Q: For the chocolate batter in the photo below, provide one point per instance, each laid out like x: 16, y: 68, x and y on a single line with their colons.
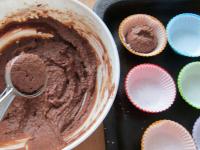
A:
x: 28, y: 73
x: 71, y: 65
x: 141, y: 39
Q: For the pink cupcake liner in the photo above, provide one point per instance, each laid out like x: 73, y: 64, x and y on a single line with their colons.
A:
x: 167, y: 135
x: 196, y: 132
x: 150, y: 88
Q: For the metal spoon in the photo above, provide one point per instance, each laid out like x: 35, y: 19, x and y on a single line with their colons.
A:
x: 8, y: 95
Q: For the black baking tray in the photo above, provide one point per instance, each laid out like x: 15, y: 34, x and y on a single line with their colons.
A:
x: 124, y: 125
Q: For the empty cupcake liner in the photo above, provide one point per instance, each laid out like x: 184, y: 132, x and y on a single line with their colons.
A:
x: 183, y: 32
x: 150, y: 88
x: 143, y: 19
x: 189, y: 84
x: 167, y: 135
x: 196, y: 132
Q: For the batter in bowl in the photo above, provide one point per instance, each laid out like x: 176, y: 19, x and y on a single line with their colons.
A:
x: 71, y: 65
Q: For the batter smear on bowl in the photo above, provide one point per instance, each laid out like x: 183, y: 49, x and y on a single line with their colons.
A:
x: 71, y: 65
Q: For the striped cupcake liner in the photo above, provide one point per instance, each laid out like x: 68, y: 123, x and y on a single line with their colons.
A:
x: 143, y: 19
x: 167, y: 134
x: 150, y: 88
x: 189, y: 84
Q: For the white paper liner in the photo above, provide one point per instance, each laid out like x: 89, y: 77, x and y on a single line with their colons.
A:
x: 143, y: 19
x: 150, y: 88
x: 167, y: 135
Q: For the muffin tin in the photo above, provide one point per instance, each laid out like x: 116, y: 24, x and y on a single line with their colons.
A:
x: 125, y: 124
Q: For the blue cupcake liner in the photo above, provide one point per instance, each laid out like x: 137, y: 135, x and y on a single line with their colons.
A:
x: 171, y: 25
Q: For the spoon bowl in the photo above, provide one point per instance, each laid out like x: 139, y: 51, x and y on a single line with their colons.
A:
x: 11, y: 91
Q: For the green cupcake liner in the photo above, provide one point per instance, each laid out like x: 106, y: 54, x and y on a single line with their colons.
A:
x: 189, y: 84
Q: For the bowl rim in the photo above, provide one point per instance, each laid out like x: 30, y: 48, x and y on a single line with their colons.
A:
x: 110, y: 102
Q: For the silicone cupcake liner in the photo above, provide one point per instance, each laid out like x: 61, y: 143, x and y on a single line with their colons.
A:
x: 196, y: 132
x: 168, y: 135
x: 189, y: 84
x: 183, y: 32
x: 150, y: 88
x: 148, y: 20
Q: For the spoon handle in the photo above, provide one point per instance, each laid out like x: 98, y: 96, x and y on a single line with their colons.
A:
x: 6, y: 98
